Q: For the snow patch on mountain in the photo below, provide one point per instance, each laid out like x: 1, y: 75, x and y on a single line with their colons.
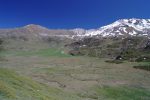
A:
x: 121, y: 27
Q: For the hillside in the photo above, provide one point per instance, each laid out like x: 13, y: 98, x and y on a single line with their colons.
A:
x: 108, y: 63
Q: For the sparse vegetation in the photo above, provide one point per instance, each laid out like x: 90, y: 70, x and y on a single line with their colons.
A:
x: 124, y: 93
x: 16, y: 87
x: 118, y: 93
x: 52, y: 74
x: 50, y: 52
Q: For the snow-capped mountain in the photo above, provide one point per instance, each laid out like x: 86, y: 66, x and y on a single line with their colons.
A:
x: 123, y: 27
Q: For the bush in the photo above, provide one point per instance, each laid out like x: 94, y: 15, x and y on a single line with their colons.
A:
x: 130, y: 53
x: 144, y: 67
x: 143, y: 59
x: 1, y: 41
x: 114, y: 61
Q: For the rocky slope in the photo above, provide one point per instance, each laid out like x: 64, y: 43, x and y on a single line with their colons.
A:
x: 126, y: 38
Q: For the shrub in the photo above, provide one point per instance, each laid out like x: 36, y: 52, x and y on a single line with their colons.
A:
x: 114, y: 61
x: 143, y: 59
x: 144, y: 67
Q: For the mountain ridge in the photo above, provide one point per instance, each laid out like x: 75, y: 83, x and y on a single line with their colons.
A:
x: 121, y: 27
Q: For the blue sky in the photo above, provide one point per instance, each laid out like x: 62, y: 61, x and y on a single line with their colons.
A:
x: 67, y: 14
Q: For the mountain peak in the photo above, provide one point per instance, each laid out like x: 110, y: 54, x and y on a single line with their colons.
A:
x: 34, y: 26
x: 134, y: 21
x: 123, y: 27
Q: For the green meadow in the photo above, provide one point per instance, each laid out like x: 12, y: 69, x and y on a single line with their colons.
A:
x: 51, y: 74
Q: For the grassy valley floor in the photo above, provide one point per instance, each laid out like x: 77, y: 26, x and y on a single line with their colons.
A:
x: 50, y: 74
